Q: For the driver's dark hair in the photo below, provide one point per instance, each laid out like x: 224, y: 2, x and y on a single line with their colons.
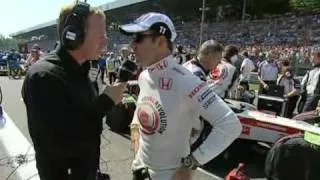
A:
x: 169, y: 43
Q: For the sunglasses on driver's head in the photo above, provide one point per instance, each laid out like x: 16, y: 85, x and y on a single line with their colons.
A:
x: 139, y: 37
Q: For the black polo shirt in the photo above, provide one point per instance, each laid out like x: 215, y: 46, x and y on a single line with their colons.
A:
x: 64, y: 110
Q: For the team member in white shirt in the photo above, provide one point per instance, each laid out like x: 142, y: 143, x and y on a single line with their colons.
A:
x: 246, y: 68
x: 224, y: 76
x: 209, y: 56
x: 170, y: 102
x: 268, y: 72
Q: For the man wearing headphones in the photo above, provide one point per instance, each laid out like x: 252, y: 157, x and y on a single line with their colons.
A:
x: 64, y: 109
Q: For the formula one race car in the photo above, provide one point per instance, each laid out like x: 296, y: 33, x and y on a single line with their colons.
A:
x: 257, y: 126
x: 262, y: 127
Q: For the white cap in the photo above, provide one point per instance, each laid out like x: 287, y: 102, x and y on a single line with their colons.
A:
x: 151, y: 21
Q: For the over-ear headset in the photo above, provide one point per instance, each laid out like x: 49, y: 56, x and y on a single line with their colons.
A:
x: 72, y: 32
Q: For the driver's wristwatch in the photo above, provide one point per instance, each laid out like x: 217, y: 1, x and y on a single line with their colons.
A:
x: 190, y: 162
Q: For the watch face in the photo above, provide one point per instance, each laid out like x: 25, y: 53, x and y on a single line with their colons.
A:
x: 187, y: 161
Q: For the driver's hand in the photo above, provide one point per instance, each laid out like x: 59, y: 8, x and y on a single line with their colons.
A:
x: 135, y: 136
x: 182, y: 174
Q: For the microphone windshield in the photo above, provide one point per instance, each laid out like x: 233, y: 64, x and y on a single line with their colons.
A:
x: 127, y: 71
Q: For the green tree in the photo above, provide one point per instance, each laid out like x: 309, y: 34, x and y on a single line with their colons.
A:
x: 305, y: 5
x: 8, y: 43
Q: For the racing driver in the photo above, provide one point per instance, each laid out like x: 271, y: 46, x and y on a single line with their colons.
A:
x: 170, y: 102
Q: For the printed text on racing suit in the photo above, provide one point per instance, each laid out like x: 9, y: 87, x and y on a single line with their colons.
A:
x: 169, y: 105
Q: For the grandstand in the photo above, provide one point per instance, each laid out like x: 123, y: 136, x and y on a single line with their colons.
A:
x: 46, y: 34
x: 287, y: 29
x: 120, y: 11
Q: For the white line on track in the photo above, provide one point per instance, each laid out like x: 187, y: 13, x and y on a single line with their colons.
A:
x: 16, y: 144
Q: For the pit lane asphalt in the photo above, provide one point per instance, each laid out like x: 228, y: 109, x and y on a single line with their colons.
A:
x: 116, y: 156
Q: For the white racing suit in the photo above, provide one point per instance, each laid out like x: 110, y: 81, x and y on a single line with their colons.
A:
x: 223, y: 78
x: 170, y: 102
x: 201, y: 129
x: 197, y: 69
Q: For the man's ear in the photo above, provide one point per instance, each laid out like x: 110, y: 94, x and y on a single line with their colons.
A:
x: 161, y: 41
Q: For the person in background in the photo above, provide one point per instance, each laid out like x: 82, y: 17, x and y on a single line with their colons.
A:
x: 224, y: 76
x: 268, y: 72
x: 37, y: 47
x: 180, y: 55
x: 102, y: 67
x: 291, y: 90
x: 246, y: 68
x: 310, y: 117
x: 111, y: 68
x: 260, y: 58
x: 284, y: 65
x: 124, y: 54
x: 311, y: 83
x: 13, y: 60
x: 35, y: 56
x: 209, y: 56
x: 243, y: 92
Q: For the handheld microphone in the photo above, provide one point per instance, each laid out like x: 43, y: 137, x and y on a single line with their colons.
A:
x: 127, y: 71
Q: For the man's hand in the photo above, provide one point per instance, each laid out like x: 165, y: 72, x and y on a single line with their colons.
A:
x: 182, y: 174
x: 265, y: 86
x: 115, y: 92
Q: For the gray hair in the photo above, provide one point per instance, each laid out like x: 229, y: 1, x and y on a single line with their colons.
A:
x: 209, y: 47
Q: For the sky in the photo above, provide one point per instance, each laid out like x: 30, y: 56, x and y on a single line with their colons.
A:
x: 16, y: 15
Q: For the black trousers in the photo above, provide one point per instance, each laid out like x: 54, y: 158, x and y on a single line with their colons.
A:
x: 57, y: 166
x: 262, y: 90
x: 112, y: 77
x: 292, y: 102
x: 102, y: 73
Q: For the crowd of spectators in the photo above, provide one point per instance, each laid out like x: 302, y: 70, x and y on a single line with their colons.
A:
x: 289, y: 35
